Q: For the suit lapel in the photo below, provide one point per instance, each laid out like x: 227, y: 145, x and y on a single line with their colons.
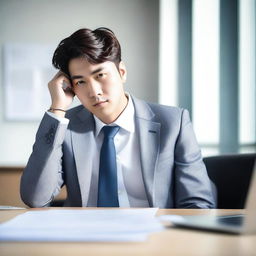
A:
x: 149, y: 136
x: 82, y: 140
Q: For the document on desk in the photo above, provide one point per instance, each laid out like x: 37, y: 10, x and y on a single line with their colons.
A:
x: 82, y: 225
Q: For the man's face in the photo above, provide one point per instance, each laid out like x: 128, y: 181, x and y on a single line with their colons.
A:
x: 99, y: 87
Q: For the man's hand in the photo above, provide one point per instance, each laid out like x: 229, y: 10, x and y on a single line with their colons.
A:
x: 61, y: 93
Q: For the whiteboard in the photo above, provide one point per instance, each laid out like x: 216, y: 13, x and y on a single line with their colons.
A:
x: 27, y: 71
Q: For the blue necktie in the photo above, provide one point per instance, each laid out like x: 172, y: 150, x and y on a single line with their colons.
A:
x: 107, y: 185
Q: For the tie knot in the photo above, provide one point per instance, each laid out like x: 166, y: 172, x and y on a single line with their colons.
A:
x: 110, y: 131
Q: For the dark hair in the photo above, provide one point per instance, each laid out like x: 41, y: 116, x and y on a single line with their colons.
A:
x: 96, y: 46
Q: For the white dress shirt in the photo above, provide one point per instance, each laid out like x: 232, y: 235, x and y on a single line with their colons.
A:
x: 131, y: 188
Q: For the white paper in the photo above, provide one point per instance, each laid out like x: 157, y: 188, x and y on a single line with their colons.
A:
x: 9, y: 207
x: 170, y: 218
x: 82, y: 225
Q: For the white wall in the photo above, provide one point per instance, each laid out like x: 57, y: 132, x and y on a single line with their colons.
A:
x: 135, y: 23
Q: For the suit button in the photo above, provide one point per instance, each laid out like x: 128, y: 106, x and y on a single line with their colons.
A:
x: 48, y: 141
x: 48, y: 138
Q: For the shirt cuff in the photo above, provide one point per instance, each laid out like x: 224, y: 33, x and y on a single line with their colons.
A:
x: 62, y: 120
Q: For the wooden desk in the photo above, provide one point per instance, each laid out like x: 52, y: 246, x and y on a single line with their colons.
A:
x: 170, y: 242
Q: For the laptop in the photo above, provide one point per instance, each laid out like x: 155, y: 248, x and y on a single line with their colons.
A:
x: 238, y: 224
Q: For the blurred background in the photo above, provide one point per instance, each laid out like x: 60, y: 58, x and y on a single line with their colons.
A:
x: 199, y: 55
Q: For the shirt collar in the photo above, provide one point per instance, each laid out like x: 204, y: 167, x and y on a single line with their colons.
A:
x: 124, y: 121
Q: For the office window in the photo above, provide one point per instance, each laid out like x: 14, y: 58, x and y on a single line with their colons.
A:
x: 247, y: 79
x: 168, y: 52
x: 221, y: 95
x: 205, y: 70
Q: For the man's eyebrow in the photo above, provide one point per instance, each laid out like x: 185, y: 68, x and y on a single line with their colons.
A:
x: 97, y: 70
x: 93, y: 72
x: 76, y: 77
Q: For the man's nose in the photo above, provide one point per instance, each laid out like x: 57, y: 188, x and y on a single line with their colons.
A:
x: 94, y: 89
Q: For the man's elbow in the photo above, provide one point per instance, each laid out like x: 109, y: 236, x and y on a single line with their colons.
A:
x: 32, y: 201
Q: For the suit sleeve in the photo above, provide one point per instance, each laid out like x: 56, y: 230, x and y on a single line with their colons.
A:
x: 193, y: 189
x: 42, y: 178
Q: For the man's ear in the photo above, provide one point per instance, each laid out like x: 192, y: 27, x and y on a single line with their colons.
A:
x: 122, y: 71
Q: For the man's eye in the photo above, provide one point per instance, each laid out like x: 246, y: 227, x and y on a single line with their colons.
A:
x: 79, y: 83
x: 100, y: 75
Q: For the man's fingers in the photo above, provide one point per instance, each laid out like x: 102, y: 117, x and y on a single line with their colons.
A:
x: 65, y: 85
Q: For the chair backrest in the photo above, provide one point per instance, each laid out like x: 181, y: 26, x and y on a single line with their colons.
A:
x: 231, y: 175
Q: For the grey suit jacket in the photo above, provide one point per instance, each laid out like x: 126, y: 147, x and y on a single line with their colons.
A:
x: 173, y: 172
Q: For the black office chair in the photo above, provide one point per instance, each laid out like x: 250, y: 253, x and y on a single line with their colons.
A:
x: 57, y: 203
x: 231, y: 175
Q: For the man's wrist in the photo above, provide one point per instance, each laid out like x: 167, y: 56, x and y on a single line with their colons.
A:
x: 57, y: 111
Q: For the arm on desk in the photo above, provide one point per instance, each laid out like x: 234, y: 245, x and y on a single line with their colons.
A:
x: 42, y: 178
x: 193, y: 188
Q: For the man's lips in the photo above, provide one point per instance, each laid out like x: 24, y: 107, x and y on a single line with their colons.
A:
x: 98, y: 103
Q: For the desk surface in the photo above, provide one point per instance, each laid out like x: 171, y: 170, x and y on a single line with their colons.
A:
x: 172, y: 241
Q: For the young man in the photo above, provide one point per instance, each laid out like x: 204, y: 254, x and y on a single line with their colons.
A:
x: 113, y: 150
